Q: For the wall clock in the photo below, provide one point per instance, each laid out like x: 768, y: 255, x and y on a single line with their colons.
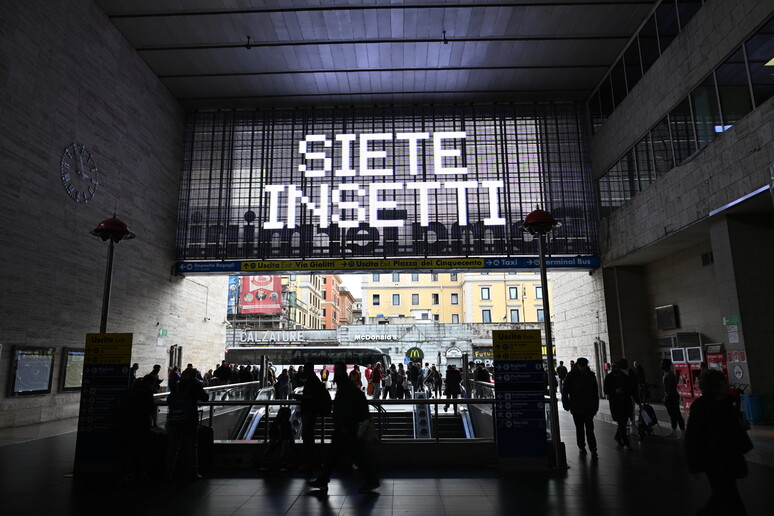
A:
x: 79, y: 173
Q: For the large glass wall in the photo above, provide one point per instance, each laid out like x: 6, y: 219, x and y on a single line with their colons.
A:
x: 738, y: 85
x: 654, y: 36
x: 384, y: 182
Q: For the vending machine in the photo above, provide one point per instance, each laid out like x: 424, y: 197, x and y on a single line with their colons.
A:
x: 715, y: 356
x: 695, y: 356
x: 683, y: 374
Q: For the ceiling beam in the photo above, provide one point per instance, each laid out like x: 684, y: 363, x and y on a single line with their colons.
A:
x: 325, y: 8
x: 383, y: 70
x: 274, y: 44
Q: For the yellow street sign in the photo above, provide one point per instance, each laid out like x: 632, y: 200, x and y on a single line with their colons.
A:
x: 516, y: 345
x: 108, y: 348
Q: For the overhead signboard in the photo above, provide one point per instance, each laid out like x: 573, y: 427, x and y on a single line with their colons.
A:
x: 372, y: 265
x: 390, y: 182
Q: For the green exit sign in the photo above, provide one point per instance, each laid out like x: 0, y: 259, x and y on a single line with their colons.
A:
x: 732, y: 320
x: 162, y: 332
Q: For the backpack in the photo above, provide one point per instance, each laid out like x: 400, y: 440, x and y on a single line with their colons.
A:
x: 323, y: 402
x: 181, y: 407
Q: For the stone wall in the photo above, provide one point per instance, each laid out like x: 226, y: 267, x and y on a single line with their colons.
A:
x: 578, y: 315
x: 68, y: 76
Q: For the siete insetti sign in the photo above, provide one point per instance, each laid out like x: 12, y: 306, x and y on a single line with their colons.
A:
x: 385, y: 183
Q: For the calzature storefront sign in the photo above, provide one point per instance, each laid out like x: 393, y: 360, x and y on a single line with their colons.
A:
x: 387, y: 183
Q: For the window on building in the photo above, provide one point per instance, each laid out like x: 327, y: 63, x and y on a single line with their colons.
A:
x: 649, y: 48
x: 513, y: 292
x: 760, y: 49
x: 486, y: 316
x: 538, y: 292
x: 683, y: 137
x: 424, y: 315
x: 436, y: 299
x: 453, y: 276
x: 735, y: 100
x: 434, y: 276
x: 376, y: 277
x: 436, y: 317
x: 414, y: 299
x: 396, y: 277
x: 455, y: 318
x: 540, y: 316
x: 324, y: 312
x: 455, y: 299
x: 376, y: 301
x: 706, y: 111
x: 325, y: 294
x: 396, y: 300
x: 668, y: 25
x: 414, y: 277
x: 485, y: 293
x: 292, y: 277
x: 514, y: 316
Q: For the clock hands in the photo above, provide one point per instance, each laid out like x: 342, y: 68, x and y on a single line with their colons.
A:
x: 82, y: 169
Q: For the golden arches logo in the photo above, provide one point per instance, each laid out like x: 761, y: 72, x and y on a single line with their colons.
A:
x: 415, y: 353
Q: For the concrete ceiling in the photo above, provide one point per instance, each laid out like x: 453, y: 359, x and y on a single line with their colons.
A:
x: 305, y: 53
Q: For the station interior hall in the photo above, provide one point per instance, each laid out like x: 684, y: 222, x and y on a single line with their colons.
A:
x: 158, y: 153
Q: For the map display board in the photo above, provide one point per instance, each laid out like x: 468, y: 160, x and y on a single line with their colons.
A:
x: 32, y: 369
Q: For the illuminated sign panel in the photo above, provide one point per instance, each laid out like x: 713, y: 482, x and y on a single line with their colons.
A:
x: 383, y: 183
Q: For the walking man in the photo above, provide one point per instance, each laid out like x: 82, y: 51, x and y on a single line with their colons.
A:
x: 580, y: 388
x: 349, y: 409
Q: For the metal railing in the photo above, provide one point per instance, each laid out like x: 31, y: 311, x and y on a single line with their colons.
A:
x: 476, y: 414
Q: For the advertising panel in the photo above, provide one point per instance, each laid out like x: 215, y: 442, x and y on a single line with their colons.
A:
x: 260, y: 295
x: 233, y: 295
x: 383, y: 182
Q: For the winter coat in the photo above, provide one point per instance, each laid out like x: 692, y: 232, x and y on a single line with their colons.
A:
x: 714, y: 439
x: 620, y: 388
x: 582, y: 393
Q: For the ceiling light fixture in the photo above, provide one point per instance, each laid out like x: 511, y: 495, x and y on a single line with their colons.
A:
x: 248, y: 46
x: 445, y: 41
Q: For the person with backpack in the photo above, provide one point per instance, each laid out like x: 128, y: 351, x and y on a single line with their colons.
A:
x: 315, y: 401
x: 349, y: 409
x: 183, y: 423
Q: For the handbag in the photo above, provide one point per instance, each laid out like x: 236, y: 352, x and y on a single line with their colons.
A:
x: 366, y: 431
x: 370, y: 388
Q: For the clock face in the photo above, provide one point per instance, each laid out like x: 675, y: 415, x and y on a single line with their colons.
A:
x: 79, y: 172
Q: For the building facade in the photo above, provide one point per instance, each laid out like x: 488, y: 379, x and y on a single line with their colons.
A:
x: 453, y: 298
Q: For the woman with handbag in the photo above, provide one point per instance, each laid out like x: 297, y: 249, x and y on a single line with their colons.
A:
x: 715, y: 444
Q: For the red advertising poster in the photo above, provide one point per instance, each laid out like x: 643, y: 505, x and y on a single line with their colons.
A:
x: 260, y: 295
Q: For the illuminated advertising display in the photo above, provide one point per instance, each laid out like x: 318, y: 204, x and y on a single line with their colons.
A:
x: 383, y: 183
x: 260, y: 295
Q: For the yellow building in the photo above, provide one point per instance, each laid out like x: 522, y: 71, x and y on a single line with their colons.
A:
x: 454, y: 297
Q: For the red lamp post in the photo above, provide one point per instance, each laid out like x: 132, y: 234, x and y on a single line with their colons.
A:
x: 114, y: 230
x: 539, y: 223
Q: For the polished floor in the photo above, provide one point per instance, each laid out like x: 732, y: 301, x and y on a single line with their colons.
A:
x: 36, y: 461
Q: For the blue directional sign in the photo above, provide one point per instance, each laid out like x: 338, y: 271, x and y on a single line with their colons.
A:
x: 555, y: 262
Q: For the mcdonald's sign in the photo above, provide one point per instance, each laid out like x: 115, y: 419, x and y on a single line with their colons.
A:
x: 415, y: 354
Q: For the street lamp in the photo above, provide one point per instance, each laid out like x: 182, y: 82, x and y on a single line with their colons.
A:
x: 540, y: 223
x: 114, y: 230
